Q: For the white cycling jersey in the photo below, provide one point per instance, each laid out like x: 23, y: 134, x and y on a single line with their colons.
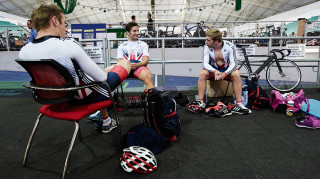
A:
x: 229, y: 53
x: 63, y: 51
x: 133, y: 50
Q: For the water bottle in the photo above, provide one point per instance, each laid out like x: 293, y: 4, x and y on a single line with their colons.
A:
x: 244, y: 95
x: 290, y: 107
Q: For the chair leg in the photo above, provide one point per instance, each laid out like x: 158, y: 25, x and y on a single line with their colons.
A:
x: 115, y: 114
x: 225, y: 94
x: 122, y: 96
x: 70, y: 149
x: 119, y: 129
x: 79, y: 134
x: 206, y: 93
x: 31, y: 139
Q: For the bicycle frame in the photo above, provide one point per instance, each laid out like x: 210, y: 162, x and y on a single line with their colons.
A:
x: 264, y: 64
x: 278, y: 78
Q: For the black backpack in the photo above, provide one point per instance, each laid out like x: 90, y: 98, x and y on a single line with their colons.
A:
x: 160, y: 113
x: 257, y: 98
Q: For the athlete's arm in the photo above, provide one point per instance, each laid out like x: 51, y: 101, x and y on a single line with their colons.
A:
x: 206, y: 59
x: 144, y: 62
x: 145, y: 57
x: 233, y: 59
x: 119, y: 54
x: 88, y: 66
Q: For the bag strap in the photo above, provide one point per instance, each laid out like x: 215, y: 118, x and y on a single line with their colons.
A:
x: 170, y: 115
x: 145, y: 111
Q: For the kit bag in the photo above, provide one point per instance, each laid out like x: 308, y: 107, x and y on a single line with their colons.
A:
x: 143, y: 136
x: 257, y: 98
x: 160, y: 113
x: 279, y: 101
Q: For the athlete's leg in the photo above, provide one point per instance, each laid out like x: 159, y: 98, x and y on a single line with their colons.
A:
x: 237, y: 84
x: 106, y: 70
x: 125, y: 63
x: 118, y: 73
x: 104, y: 113
x: 145, y: 75
x: 202, y: 83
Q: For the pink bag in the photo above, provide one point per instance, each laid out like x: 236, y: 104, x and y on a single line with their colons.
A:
x: 278, y: 103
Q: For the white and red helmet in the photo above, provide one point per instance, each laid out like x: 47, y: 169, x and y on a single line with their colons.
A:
x: 138, y: 159
x: 195, y: 107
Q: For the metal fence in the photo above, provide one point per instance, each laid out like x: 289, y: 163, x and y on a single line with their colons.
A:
x: 108, y: 60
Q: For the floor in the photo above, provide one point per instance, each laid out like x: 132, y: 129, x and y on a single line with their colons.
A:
x: 264, y: 144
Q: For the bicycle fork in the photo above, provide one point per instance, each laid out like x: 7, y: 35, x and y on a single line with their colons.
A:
x: 279, y: 67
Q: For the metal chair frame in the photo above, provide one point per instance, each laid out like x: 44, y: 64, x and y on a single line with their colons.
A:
x: 77, y: 132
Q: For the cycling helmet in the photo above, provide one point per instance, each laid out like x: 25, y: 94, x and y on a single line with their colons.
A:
x: 196, y: 106
x: 138, y: 159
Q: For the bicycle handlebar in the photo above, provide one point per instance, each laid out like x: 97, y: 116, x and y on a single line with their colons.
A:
x: 274, y: 51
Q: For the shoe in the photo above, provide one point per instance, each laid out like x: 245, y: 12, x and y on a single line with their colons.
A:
x: 239, y: 109
x: 196, y: 106
x: 98, y: 125
x: 181, y: 99
x: 130, y: 102
x: 108, y: 125
x: 308, y: 122
x: 94, y: 117
x: 220, y: 110
x: 137, y: 101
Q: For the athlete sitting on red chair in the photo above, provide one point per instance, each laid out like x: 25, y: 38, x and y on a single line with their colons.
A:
x: 51, y: 43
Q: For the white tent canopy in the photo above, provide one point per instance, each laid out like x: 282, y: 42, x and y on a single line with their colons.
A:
x: 116, y: 11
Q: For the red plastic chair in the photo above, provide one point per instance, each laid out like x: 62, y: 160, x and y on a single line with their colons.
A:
x: 53, y: 85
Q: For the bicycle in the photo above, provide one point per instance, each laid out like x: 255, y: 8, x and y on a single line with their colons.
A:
x: 281, y: 74
x: 147, y: 34
x: 198, y: 32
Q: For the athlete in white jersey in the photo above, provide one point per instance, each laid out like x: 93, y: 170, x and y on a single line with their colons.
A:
x: 219, y: 62
x: 49, y: 21
x: 137, y: 52
x: 227, y: 64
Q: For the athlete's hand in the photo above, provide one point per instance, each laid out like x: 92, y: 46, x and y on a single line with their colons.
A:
x: 222, y: 75
x: 217, y: 75
x: 134, y: 66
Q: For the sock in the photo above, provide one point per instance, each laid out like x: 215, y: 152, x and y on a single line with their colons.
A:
x: 106, y: 120
x: 201, y: 100
x: 242, y: 106
x: 239, y: 102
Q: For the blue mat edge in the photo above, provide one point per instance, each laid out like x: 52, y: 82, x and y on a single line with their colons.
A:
x: 311, y: 101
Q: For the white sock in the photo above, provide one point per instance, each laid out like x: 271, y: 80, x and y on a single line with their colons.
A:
x: 107, y: 122
x: 241, y: 106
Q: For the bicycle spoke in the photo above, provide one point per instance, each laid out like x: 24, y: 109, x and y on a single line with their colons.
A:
x: 285, y: 81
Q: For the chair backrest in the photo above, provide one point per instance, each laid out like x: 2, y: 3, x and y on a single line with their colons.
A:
x: 48, y: 73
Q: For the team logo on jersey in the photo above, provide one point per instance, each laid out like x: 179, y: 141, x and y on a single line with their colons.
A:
x: 132, y: 55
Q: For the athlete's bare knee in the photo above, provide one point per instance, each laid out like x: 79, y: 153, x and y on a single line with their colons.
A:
x: 235, y: 75
x: 124, y: 63
x: 106, y: 70
x: 148, y: 76
x: 203, y: 75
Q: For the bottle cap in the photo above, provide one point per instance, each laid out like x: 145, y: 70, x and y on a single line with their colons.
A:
x: 290, y: 102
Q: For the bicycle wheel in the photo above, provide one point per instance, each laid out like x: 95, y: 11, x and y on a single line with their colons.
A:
x: 288, y: 80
